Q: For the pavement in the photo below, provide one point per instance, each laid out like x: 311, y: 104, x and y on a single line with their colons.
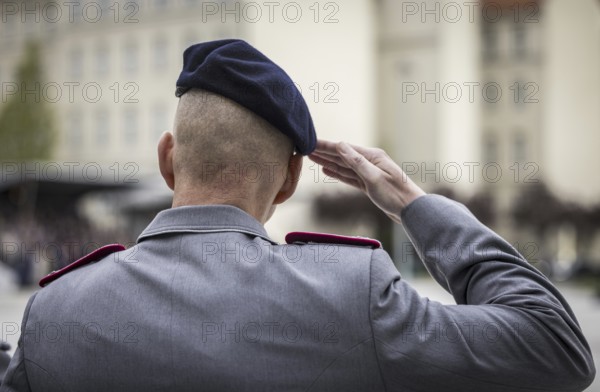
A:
x: 585, y: 305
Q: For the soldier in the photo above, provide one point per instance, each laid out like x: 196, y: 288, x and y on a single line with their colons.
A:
x: 206, y: 300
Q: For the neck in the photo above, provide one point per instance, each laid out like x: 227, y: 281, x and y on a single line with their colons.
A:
x: 249, y: 204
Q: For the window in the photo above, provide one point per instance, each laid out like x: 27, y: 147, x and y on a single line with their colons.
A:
x: 130, y: 127
x: 490, y: 148
x: 76, y: 63
x: 519, y: 147
x: 490, y: 41
x: 160, y: 54
x: 51, y: 19
x: 102, y: 128
x: 102, y: 61
x: 519, y: 92
x: 130, y: 58
x: 492, y: 95
x: 520, y: 43
x: 32, y: 21
x: 10, y: 27
x: 159, y: 121
x: 75, y: 130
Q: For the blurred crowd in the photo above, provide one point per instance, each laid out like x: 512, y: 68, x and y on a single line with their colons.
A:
x: 34, y: 245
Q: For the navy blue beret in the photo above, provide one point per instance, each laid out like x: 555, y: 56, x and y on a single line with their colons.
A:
x: 236, y: 70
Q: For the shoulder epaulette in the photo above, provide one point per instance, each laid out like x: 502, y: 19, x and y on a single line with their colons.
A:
x: 89, y: 258
x: 325, y: 238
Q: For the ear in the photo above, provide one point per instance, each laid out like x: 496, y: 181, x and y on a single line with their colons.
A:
x: 165, y: 158
x: 291, y: 181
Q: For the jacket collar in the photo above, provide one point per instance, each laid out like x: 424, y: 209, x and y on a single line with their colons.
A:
x: 204, y: 219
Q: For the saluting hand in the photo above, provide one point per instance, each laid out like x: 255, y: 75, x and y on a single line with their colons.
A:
x: 370, y: 170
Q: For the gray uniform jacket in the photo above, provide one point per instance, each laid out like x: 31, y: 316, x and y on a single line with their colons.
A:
x: 207, y: 302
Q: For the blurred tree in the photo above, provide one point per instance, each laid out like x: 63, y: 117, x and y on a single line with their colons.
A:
x: 27, y: 129
x: 482, y: 204
x: 538, y: 208
x: 352, y: 208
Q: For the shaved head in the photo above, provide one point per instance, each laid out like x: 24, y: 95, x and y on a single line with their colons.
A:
x: 222, y: 146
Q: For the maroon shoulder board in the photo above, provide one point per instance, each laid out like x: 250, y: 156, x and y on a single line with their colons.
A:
x: 89, y: 258
x: 325, y: 238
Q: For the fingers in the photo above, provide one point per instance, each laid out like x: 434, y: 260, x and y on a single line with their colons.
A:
x: 352, y: 181
x: 334, y: 170
x: 326, y: 159
x: 350, y: 164
x: 371, y: 170
x: 326, y: 147
x: 327, y: 153
x: 336, y: 165
x: 329, y: 150
x: 358, y: 162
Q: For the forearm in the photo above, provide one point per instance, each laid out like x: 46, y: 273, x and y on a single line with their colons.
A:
x: 467, y: 258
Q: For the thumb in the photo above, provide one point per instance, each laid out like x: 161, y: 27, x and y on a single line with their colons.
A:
x: 357, y: 162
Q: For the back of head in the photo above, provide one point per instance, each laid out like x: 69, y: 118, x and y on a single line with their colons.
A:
x: 240, y: 117
x: 223, y: 147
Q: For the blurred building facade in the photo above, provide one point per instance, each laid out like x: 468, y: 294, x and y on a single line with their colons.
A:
x: 492, y: 97
x: 110, y: 72
x: 481, y: 97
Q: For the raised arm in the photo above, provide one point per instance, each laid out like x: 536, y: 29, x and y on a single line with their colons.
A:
x: 511, y: 330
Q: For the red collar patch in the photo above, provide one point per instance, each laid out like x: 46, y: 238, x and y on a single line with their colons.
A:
x: 325, y: 238
x: 91, y: 257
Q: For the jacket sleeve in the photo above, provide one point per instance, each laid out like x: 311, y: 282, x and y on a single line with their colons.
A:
x: 15, y: 379
x: 511, y: 329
